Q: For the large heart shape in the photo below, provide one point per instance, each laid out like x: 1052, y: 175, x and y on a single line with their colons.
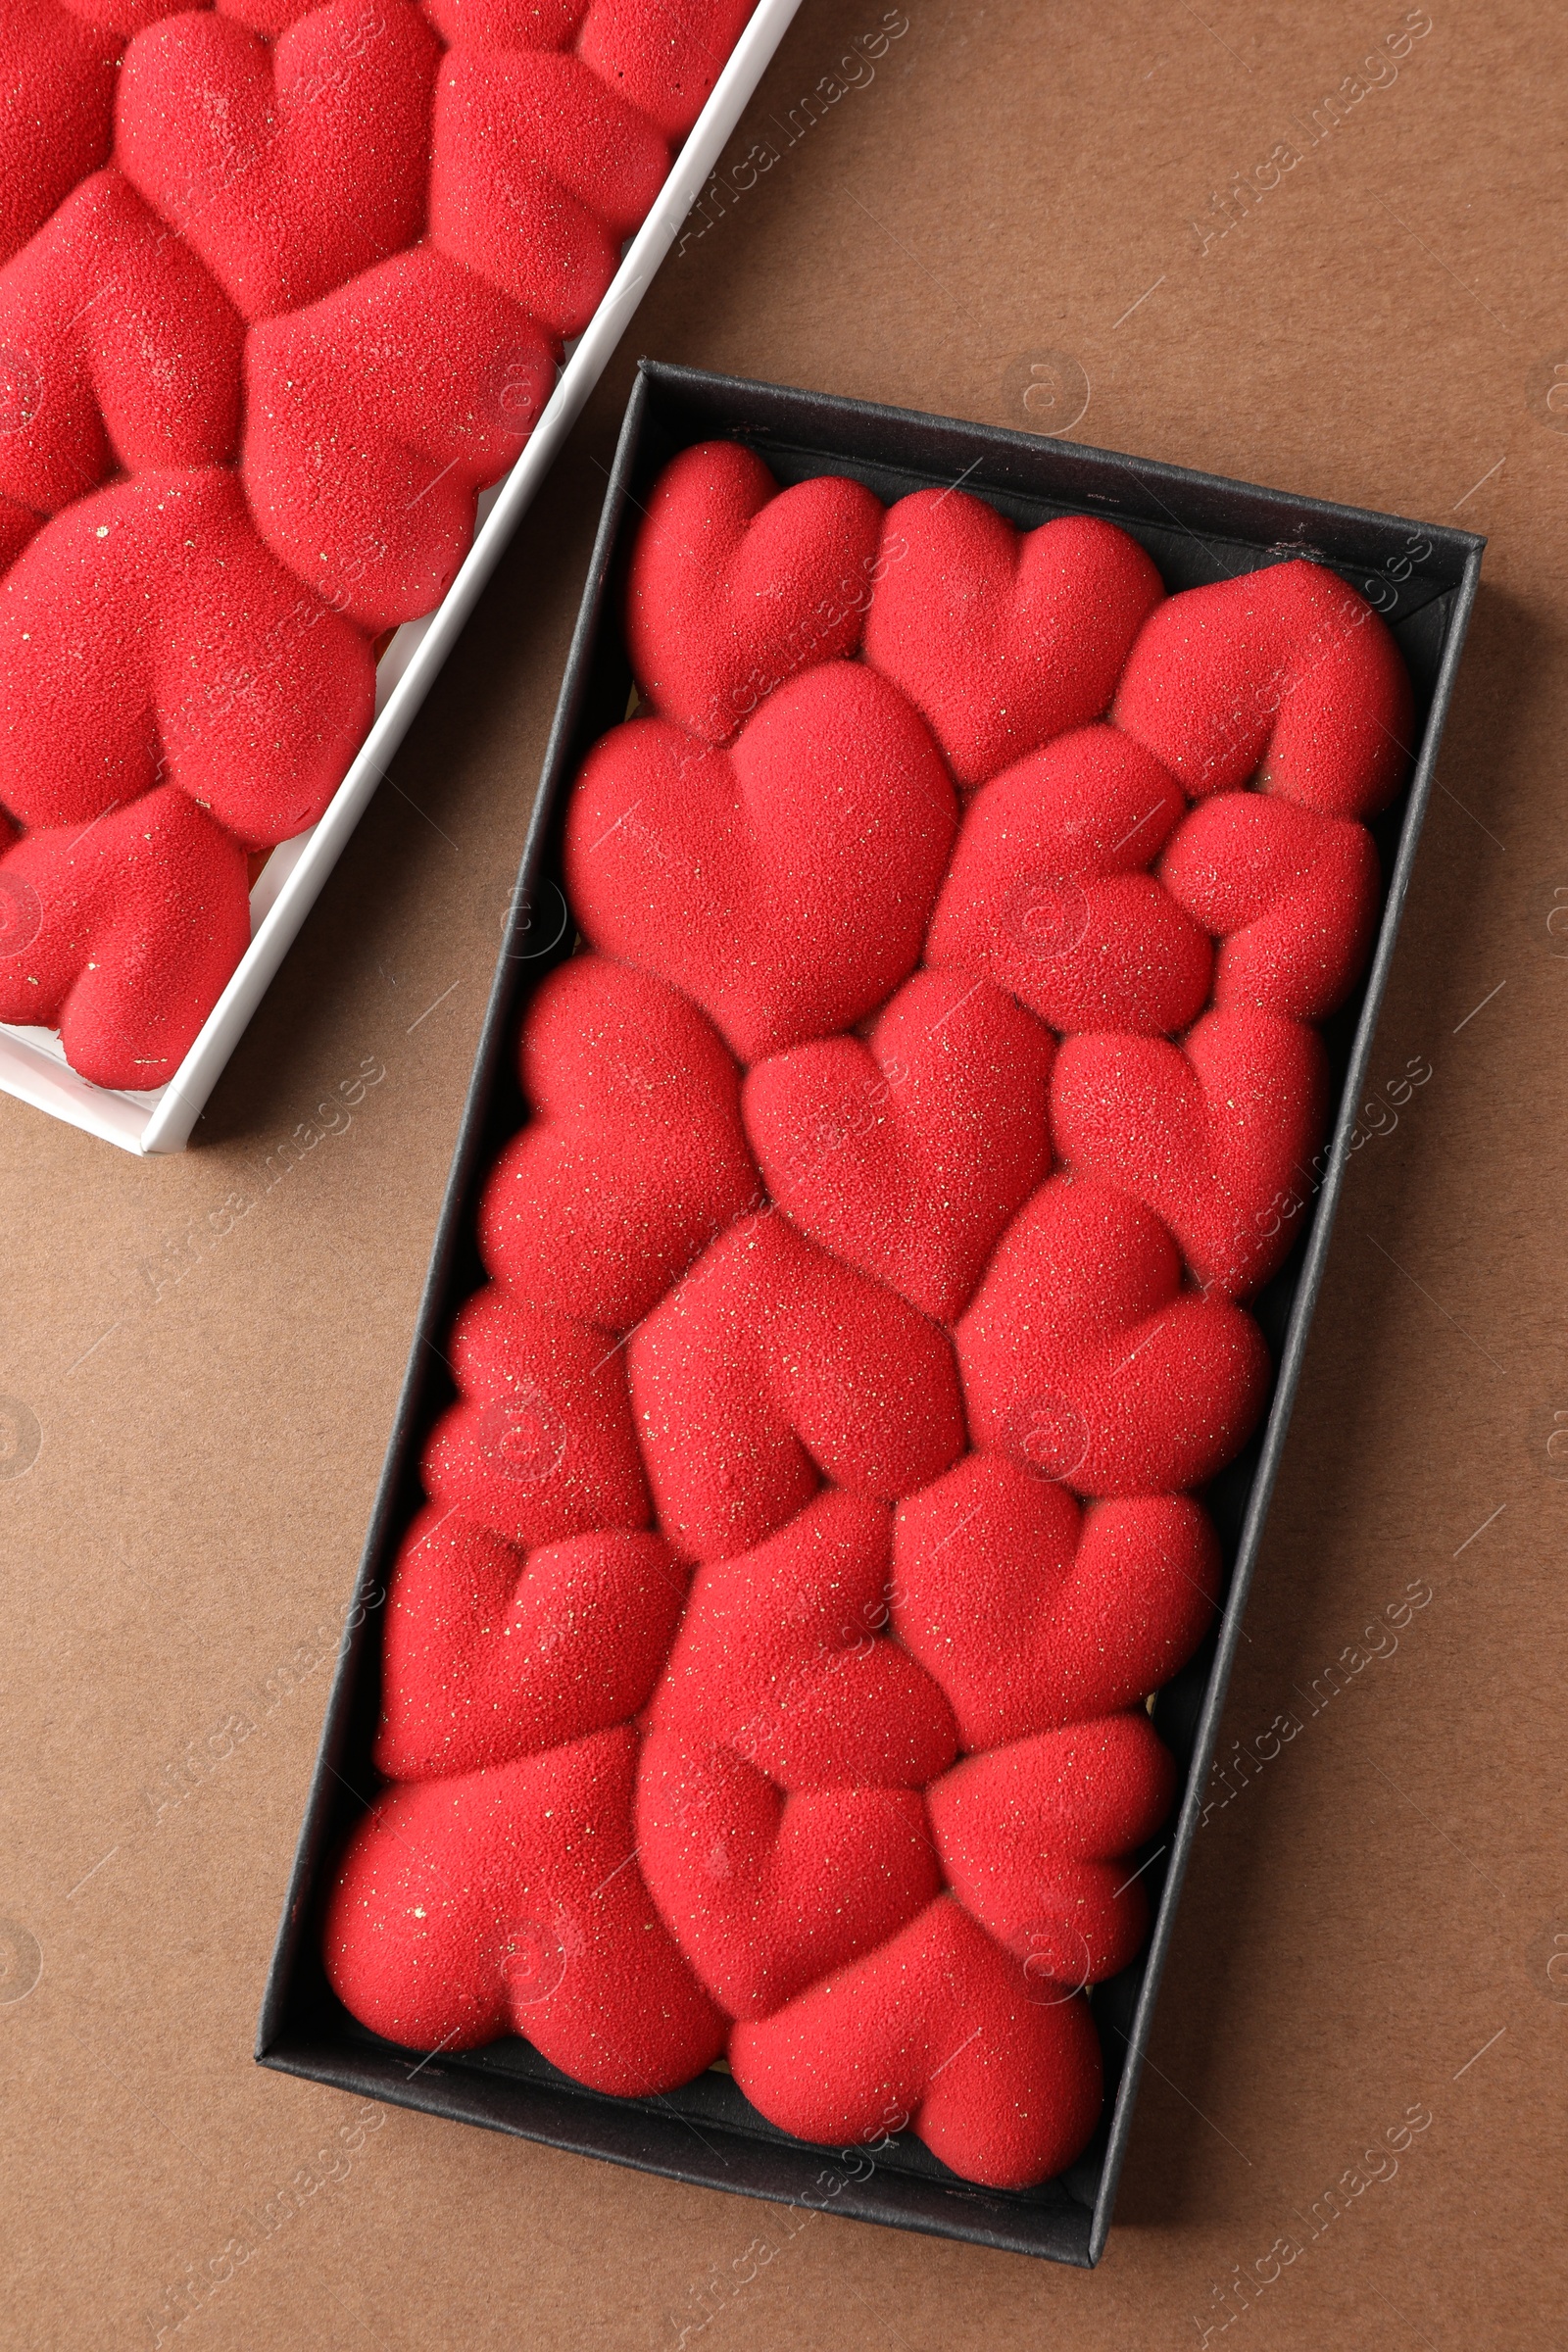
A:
x: 634, y: 1158
x: 907, y: 1154
x: 1047, y: 894
x: 1083, y: 1358
x: 510, y: 1901
x: 1034, y: 1837
x: 1031, y: 1612
x: 1291, y: 895
x: 997, y: 2072
x: 117, y: 350
x: 767, y: 1890
x: 1284, y: 672
x: 120, y: 934
x: 373, y: 417
x: 778, y: 1658
x: 734, y: 585
x: 288, y: 168
x: 1215, y: 1134
x: 539, y: 1445
x: 146, y: 635
x: 832, y: 796
x: 57, y: 109
x: 1003, y: 640
x: 773, y: 1366
x: 491, y: 1652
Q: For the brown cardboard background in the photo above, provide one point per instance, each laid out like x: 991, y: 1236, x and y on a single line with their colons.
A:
x: 1380, y: 1904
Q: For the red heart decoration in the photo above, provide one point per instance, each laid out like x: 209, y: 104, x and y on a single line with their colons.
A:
x: 1031, y: 1612
x: 1292, y: 895
x: 539, y: 1445
x: 1047, y: 892
x: 1214, y: 1134
x: 490, y: 1652
x: 1032, y: 1840
x: 289, y: 169
x: 365, y: 489
x: 773, y: 1366
x: 734, y: 585
x: 1000, y: 639
x: 634, y: 1158
x: 120, y: 935
x: 664, y: 56
x: 996, y: 2072
x: 509, y: 1902
x: 907, y: 1156
x: 1284, y: 672
x: 1082, y: 1358
x: 147, y: 635
x: 765, y: 1892
x: 57, y: 115
x: 117, y: 351
x: 831, y: 795
x: 777, y: 1658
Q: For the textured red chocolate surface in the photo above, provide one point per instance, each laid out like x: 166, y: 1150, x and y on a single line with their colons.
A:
x: 282, y: 288
x: 815, y: 1512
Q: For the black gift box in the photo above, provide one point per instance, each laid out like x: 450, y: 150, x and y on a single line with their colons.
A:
x: 1197, y: 529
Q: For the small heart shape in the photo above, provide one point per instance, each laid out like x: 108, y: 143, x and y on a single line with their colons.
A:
x: 1034, y: 1841
x: 777, y: 1658
x: 1284, y: 674
x: 907, y: 1156
x: 832, y: 794
x: 1291, y: 895
x: 634, y: 1158
x: 1031, y: 1612
x: 122, y: 934
x: 1214, y: 1134
x: 734, y: 585
x: 664, y: 56
x: 491, y: 1652
x: 539, y: 1445
x: 116, y: 351
x: 57, y: 112
x: 1082, y: 1358
x: 288, y: 168
x: 765, y: 1892
x: 771, y: 1367
x: 1003, y: 639
x: 510, y: 1901
x: 938, y: 2030
x: 372, y: 419
x: 1048, y: 895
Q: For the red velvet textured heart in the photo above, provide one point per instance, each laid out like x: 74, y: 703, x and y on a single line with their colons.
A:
x: 57, y: 109
x: 1284, y: 672
x: 510, y: 1901
x: 1032, y: 1612
x: 832, y: 796
x: 539, y: 1445
x: 290, y: 169
x: 765, y: 1892
x: 1083, y: 1358
x: 734, y: 585
x: 506, y: 24
x: 907, y: 1156
x: 120, y: 934
x: 996, y: 2072
x: 1034, y: 1841
x: 490, y: 1652
x: 373, y: 417
x: 664, y: 56
x: 777, y: 1658
x: 1047, y: 894
x: 773, y: 1366
x: 146, y: 635
x: 117, y: 350
x: 1003, y: 639
x: 1291, y: 894
x: 1214, y: 1134
x: 634, y: 1158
